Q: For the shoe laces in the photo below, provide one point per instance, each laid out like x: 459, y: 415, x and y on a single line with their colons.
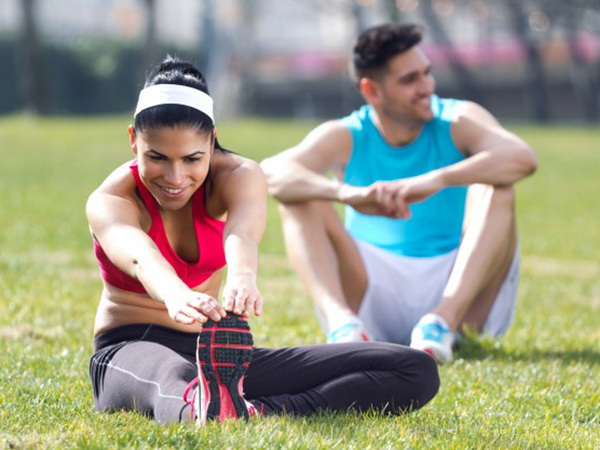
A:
x: 347, y: 330
x: 434, y: 331
x: 193, y: 385
x: 252, y: 410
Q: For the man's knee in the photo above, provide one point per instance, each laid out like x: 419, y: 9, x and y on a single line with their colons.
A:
x: 503, y: 196
x: 313, y: 210
x: 487, y: 196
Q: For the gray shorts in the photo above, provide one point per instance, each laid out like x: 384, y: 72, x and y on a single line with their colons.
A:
x: 402, y: 289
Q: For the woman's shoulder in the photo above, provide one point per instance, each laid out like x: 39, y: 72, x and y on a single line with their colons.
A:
x: 118, y: 187
x: 231, y: 166
x: 236, y: 179
x: 119, y: 182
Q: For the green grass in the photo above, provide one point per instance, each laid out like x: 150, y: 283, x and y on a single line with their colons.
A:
x: 536, y: 388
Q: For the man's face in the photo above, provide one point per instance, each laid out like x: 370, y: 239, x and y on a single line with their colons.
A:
x: 406, y: 88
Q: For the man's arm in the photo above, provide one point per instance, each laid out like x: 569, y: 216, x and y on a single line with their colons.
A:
x: 494, y: 156
x: 298, y: 174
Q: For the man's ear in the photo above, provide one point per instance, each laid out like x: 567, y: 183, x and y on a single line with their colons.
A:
x: 132, y: 143
x: 370, y: 90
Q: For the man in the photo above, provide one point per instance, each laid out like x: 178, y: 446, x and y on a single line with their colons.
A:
x: 429, y: 245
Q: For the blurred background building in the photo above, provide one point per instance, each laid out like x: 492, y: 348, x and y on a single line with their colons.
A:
x: 522, y: 59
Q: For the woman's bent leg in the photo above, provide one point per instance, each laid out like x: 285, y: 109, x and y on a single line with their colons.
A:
x: 142, y: 376
x: 387, y: 378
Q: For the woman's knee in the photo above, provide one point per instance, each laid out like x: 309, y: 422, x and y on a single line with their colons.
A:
x: 421, y: 372
x: 427, y: 378
x: 414, y: 366
x: 178, y: 370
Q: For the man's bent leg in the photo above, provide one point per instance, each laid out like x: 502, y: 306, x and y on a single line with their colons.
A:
x: 482, y: 263
x: 326, y: 258
x: 484, y: 257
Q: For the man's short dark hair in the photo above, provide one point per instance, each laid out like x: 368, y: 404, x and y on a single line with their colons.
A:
x: 376, y: 46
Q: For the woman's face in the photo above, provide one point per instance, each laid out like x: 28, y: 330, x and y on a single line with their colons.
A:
x: 173, y: 162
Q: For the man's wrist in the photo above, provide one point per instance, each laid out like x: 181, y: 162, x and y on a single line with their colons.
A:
x: 442, y: 177
x: 339, y: 190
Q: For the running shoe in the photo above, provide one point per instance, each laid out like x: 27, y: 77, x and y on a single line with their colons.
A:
x: 224, y: 353
x: 353, y: 331
x: 433, y: 335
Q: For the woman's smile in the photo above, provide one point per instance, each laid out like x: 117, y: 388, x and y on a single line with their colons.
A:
x: 173, y: 192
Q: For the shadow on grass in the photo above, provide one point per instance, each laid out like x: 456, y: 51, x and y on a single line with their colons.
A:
x: 488, y: 349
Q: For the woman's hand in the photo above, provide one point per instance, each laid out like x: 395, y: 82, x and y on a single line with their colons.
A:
x: 241, y: 296
x: 189, y: 306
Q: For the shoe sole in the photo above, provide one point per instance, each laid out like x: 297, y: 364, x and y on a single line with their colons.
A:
x: 225, y: 350
x: 436, y: 352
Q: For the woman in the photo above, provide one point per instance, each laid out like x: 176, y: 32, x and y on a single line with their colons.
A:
x: 164, y: 226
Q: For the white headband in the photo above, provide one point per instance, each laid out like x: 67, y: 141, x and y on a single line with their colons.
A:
x: 175, y: 94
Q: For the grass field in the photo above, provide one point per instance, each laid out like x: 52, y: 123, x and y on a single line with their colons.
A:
x: 537, y: 388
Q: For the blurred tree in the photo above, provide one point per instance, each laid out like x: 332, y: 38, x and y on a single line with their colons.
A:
x: 218, y: 49
x: 393, y: 11
x: 247, y: 55
x: 359, y: 16
x: 537, y: 85
x: 584, y: 83
x: 30, y: 63
x: 208, y: 35
x: 150, y: 52
x: 466, y: 81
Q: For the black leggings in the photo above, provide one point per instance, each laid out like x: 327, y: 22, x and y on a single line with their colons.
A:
x: 147, y: 367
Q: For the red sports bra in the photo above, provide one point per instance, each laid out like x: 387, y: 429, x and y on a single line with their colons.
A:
x: 209, y: 234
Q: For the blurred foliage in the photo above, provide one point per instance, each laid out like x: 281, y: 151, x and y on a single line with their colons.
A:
x: 87, y: 77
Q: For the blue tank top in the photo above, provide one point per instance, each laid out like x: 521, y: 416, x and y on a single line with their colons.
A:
x: 435, y: 227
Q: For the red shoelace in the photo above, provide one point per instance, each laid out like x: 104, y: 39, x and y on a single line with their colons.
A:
x: 193, y: 399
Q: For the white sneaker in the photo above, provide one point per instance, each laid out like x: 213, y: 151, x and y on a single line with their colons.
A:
x: 433, y: 335
x: 353, y: 331
x: 224, y: 353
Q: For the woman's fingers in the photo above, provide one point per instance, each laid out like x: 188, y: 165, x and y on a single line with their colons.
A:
x: 205, y: 307
x: 228, y: 299
x: 194, y: 314
x: 254, y: 305
x: 194, y: 307
x: 241, y: 299
x: 249, y: 305
x: 183, y: 318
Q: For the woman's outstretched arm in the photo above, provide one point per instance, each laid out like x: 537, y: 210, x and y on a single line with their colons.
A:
x: 115, y: 222
x: 244, y: 195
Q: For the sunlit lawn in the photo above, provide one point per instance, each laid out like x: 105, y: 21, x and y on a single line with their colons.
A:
x: 537, y: 388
